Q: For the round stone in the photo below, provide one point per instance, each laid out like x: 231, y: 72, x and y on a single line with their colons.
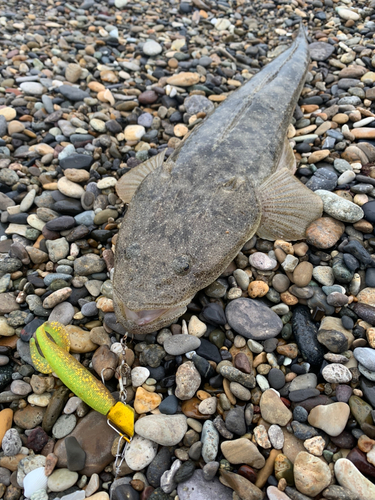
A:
x: 166, y: 430
x: 61, y: 480
x: 336, y: 374
x: 261, y: 261
x: 152, y: 48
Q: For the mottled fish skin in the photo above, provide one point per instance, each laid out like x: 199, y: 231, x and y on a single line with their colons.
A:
x: 191, y: 216
x: 244, y: 134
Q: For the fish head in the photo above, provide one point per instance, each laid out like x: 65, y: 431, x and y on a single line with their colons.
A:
x: 173, y: 244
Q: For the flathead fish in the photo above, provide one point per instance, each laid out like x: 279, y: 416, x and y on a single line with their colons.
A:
x: 233, y: 177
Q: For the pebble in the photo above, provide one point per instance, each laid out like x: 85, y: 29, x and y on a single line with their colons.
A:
x: 349, y: 476
x: 332, y: 418
x: 242, y: 451
x: 140, y: 452
x: 197, y: 488
x: 273, y: 409
x: 311, y: 474
x: 210, y: 441
x: 181, y: 344
x: 339, y: 208
x: 324, y: 232
x: 252, y: 319
x: 166, y: 430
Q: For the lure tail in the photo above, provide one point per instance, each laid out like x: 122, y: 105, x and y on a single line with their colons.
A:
x: 77, y: 378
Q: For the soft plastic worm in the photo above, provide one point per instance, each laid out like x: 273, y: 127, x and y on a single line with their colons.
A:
x: 57, y: 359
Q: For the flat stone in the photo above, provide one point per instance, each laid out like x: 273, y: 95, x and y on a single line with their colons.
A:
x: 332, y: 418
x: 61, y: 480
x: 245, y: 489
x: 324, y: 232
x: 253, y: 319
x: 95, y: 438
x: 242, y: 451
x: 273, y: 409
x: 320, y: 51
x: 365, y: 356
x: 198, y: 488
x: 311, y: 474
x: 181, y: 344
x: 166, y: 430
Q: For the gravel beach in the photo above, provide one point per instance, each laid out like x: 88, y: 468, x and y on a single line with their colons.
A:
x: 265, y: 387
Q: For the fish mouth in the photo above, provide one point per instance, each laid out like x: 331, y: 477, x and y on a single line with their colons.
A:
x: 144, y: 317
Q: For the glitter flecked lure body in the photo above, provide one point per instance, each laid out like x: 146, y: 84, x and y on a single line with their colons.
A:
x: 56, y: 358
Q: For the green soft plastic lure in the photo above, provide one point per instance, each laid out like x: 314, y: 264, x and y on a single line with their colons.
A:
x: 77, y: 378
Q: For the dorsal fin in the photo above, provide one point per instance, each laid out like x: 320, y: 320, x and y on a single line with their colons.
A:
x: 129, y: 182
x: 287, y: 159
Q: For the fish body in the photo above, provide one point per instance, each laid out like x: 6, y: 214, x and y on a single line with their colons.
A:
x: 191, y: 215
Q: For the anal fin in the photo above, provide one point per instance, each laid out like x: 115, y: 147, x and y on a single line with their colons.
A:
x: 288, y: 207
x: 129, y: 182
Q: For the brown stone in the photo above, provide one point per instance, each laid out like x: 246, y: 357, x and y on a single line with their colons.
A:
x: 257, y: 289
x: 273, y: 409
x: 244, y: 488
x: 288, y: 298
x: 311, y: 474
x: 146, y: 401
x: 190, y: 409
x: 325, y: 232
x: 318, y: 155
x: 11, y: 463
x: 370, y: 94
x: 183, y: 79
x: 267, y: 469
x: 8, y: 303
x: 241, y: 362
x: 248, y: 473
x: 292, y: 445
x: 6, y: 419
x: 104, y: 362
x: 364, y: 132
x: 29, y: 417
x: 340, y: 118
x: 242, y: 451
x: 290, y: 350
x: 95, y: 438
x: 302, y: 274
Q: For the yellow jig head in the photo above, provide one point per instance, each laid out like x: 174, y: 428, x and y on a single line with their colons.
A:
x: 78, y: 379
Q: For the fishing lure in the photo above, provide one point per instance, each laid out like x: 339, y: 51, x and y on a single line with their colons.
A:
x: 78, y: 379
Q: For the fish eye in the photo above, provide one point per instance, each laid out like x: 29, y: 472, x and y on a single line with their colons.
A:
x: 132, y: 251
x: 181, y: 265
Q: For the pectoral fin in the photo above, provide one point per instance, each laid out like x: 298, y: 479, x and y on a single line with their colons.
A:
x: 129, y: 182
x: 288, y: 207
